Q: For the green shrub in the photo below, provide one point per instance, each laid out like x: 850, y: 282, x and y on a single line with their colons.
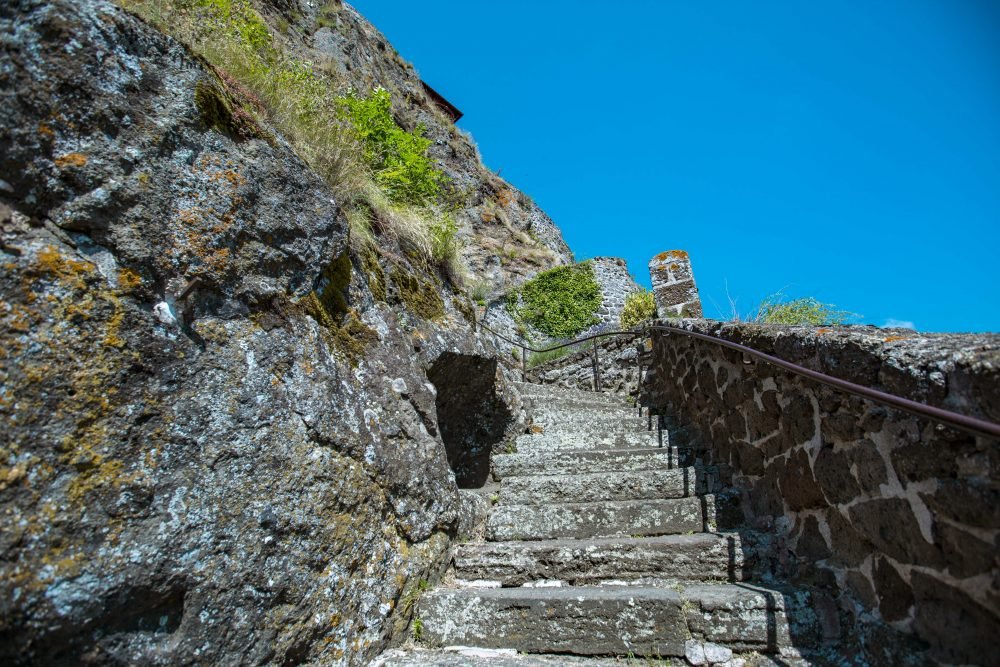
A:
x: 560, y: 302
x: 775, y: 309
x: 639, y: 307
x: 397, y: 157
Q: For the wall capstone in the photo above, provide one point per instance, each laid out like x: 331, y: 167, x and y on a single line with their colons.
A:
x: 673, y: 285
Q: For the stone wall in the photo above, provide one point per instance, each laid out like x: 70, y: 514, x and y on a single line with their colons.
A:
x: 619, y: 367
x: 898, y: 517
x: 611, y: 273
x: 673, y: 285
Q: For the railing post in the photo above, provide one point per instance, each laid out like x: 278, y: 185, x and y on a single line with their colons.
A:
x: 597, y: 368
x: 524, y: 364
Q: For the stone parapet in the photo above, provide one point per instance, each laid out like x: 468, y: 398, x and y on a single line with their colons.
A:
x: 899, y: 518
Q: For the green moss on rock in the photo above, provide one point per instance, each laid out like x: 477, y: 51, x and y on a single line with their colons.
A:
x: 420, y: 296
x: 220, y: 112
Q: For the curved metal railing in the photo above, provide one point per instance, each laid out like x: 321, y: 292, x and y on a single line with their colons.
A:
x: 979, y: 427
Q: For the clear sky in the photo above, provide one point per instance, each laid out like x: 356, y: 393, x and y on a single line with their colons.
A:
x: 847, y: 150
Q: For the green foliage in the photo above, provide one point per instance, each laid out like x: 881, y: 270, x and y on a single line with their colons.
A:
x: 418, y: 629
x: 420, y: 297
x: 397, y: 157
x: 241, y: 21
x: 560, y: 302
x: 775, y: 309
x: 639, y: 307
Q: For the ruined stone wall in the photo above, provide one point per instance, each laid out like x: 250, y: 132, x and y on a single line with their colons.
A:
x: 619, y: 367
x: 897, y: 516
x: 611, y: 273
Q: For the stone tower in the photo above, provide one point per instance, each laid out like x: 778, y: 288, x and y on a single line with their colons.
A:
x: 673, y: 285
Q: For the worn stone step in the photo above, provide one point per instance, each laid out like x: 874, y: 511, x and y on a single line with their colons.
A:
x: 542, y: 462
x: 584, y: 441
x: 546, y: 393
x: 592, y: 487
x: 604, y: 620
x: 541, y: 411
x: 697, y: 557
x: 468, y: 656
x: 601, y: 519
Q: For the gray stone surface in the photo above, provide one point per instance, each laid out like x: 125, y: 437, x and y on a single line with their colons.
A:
x: 569, y: 462
x: 701, y: 556
x: 601, y: 486
x: 465, y: 656
x: 581, y: 620
x: 581, y: 520
x: 593, y: 438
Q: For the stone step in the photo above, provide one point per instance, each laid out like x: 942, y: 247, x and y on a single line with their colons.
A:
x: 552, y: 394
x: 605, y: 620
x: 593, y: 487
x: 601, y: 519
x: 542, y: 462
x: 563, y: 441
x: 698, y: 557
x: 571, y: 425
x: 468, y: 656
x: 541, y: 411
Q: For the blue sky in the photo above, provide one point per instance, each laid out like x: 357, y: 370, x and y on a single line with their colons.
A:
x: 845, y: 150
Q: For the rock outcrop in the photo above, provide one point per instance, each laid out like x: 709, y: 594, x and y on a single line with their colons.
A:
x: 202, y: 457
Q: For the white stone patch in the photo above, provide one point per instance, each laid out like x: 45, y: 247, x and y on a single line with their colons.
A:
x: 165, y: 314
x: 476, y: 652
x: 477, y: 583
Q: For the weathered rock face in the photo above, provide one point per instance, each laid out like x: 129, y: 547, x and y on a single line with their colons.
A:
x: 195, y: 464
x: 507, y: 237
x: 897, y: 516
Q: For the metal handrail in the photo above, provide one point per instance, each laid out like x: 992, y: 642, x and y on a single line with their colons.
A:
x: 940, y: 415
x: 979, y: 427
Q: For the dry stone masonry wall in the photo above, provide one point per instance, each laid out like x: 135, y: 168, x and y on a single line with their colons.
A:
x: 611, y: 273
x: 898, y: 517
x: 673, y: 285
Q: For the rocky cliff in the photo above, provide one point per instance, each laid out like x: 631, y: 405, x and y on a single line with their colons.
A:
x: 223, y: 428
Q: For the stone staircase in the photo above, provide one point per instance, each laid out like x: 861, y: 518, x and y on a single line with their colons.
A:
x: 603, y: 541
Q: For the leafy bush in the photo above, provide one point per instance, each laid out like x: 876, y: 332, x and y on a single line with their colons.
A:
x: 560, y: 302
x: 397, y: 157
x: 807, y: 310
x: 639, y: 307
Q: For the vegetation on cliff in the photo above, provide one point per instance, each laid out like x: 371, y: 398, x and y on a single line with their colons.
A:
x: 380, y: 172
